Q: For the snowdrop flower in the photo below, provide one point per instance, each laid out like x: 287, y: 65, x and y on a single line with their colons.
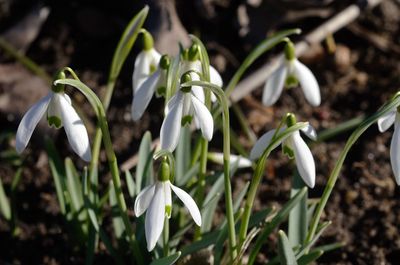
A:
x: 384, y: 123
x: 59, y: 113
x: 146, y: 62
x: 295, y: 147
x: 154, y: 83
x: 192, y: 64
x: 181, y: 108
x: 235, y: 160
x: 156, y: 199
x: 291, y: 72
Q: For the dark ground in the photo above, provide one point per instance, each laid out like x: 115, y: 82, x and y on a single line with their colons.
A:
x: 358, y: 78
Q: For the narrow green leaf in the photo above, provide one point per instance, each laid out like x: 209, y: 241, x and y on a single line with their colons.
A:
x: 239, y: 198
x: 58, y: 173
x: 89, y: 205
x: 309, y: 244
x: 130, y: 183
x: 286, y: 255
x: 207, y: 214
x: 298, y: 222
x: 74, y: 186
x: 311, y: 257
x: 126, y: 42
x: 4, y: 203
x: 182, y: 154
x: 270, y: 226
x: 118, y: 223
x: 145, y: 162
x: 167, y: 260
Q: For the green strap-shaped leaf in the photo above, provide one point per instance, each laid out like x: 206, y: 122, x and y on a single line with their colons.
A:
x: 74, y: 186
x: 311, y: 257
x: 286, y: 254
x: 130, y: 183
x: 145, y: 162
x: 167, y: 260
x: 126, y: 42
x: 117, y: 221
x: 4, y: 203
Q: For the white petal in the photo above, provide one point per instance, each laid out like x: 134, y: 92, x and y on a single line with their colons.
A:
x: 155, y: 215
x: 142, y: 70
x: 29, y: 122
x: 234, y: 159
x: 54, y: 109
x: 75, y: 129
x: 155, y: 57
x: 143, y: 200
x: 386, y: 121
x: 204, y: 117
x: 395, y: 150
x: 215, y: 77
x: 189, y: 203
x: 262, y: 143
x: 308, y: 83
x: 199, y: 93
x: 168, y: 198
x: 274, y: 86
x: 171, y: 127
x: 143, y: 95
x: 310, y: 132
x: 170, y: 103
x: 304, y: 159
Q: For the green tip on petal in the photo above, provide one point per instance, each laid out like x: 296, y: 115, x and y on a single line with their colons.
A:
x: 164, y: 171
x: 161, y: 91
x: 288, y: 151
x: 290, y: 53
x: 194, y: 52
x: 290, y: 119
x: 165, y: 62
x: 291, y: 81
x: 168, y: 210
x: 186, y: 120
x: 147, y: 40
x: 186, y: 78
x: 59, y: 87
x: 54, y: 121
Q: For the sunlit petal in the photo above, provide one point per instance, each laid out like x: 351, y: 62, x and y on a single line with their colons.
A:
x: 204, y: 118
x: 274, y: 86
x: 143, y: 95
x: 29, y: 122
x: 141, y: 71
x: 386, y: 121
x: 143, y: 200
x: 310, y: 132
x: 395, y: 150
x: 304, y: 159
x: 215, y: 77
x: 189, y: 203
x: 235, y: 160
x: 170, y: 129
x: 262, y: 144
x: 75, y: 129
x: 168, y: 198
x: 308, y: 83
x: 155, y: 214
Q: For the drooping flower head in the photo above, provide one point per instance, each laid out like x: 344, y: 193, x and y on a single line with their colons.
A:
x: 289, y: 73
x: 182, y: 108
x: 146, y: 62
x: 156, y: 82
x: 384, y: 123
x: 60, y: 113
x: 293, y: 146
x: 156, y: 199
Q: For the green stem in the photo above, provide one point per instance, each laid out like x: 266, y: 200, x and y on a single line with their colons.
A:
x: 201, y: 185
x: 393, y: 103
x: 166, y: 237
